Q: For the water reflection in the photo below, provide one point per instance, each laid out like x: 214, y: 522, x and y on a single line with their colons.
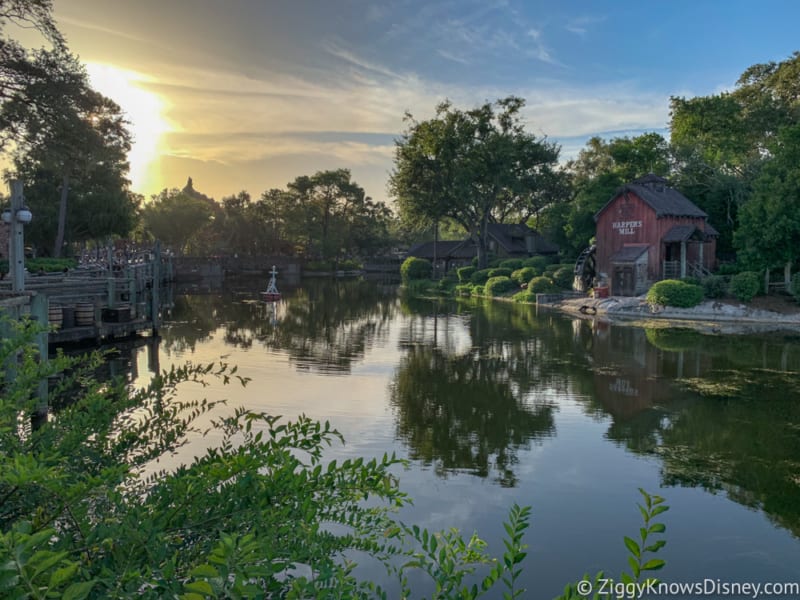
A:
x: 721, y: 413
x: 323, y: 325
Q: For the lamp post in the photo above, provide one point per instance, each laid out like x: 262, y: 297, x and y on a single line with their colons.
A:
x: 17, y: 216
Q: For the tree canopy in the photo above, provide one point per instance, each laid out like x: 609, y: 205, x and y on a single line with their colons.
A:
x: 476, y: 167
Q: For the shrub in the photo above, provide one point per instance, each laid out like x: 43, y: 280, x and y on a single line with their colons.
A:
x: 477, y: 290
x: 350, y: 264
x: 542, y: 285
x: 671, y: 292
x: 464, y: 273
x: 524, y: 297
x: 448, y: 283
x: 499, y: 272
x: 319, y: 265
x: 745, y: 285
x: 796, y: 286
x: 464, y: 289
x: 480, y: 277
x: 494, y: 263
x: 715, y: 286
x: 550, y: 269
x: 537, y: 262
x: 511, y: 263
x: 729, y: 269
x: 415, y: 268
x: 498, y: 285
x: 524, y: 275
x: 692, y: 280
x: 564, y: 277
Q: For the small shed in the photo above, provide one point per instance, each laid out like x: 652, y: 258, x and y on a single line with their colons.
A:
x: 647, y: 221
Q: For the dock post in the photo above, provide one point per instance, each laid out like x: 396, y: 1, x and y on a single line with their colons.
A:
x: 39, y: 312
x: 16, y: 241
x: 154, y: 300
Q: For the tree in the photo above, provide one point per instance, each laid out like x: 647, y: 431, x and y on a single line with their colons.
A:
x: 476, y: 167
x: 175, y: 217
x: 54, y: 124
x: 769, y: 222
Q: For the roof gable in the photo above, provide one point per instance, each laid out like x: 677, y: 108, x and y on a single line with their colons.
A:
x: 656, y: 193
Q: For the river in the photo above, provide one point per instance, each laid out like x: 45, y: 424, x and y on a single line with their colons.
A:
x: 494, y: 403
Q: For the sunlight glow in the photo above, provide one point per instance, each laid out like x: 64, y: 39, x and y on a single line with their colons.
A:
x: 144, y: 110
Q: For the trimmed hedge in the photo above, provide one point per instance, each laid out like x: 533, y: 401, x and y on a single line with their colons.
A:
x: 525, y: 296
x: 414, y: 268
x: 511, y: 263
x: 499, y: 285
x: 672, y: 292
x: 464, y: 273
x: 464, y: 289
x: 537, y: 262
x: 564, y: 277
x: 500, y: 272
x: 745, y: 285
x: 525, y: 274
x: 542, y: 285
x: 480, y: 277
x: 715, y: 286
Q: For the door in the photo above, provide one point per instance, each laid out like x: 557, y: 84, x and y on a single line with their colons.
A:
x: 624, y: 281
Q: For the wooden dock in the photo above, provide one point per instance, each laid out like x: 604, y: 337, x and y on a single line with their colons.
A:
x: 93, y: 303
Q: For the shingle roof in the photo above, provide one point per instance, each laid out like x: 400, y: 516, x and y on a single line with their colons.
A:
x: 444, y: 249
x: 628, y: 254
x: 656, y: 193
x: 512, y: 238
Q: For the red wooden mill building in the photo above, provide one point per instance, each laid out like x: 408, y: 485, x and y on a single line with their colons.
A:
x: 649, y: 231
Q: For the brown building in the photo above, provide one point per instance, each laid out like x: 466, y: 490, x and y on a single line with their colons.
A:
x: 649, y: 231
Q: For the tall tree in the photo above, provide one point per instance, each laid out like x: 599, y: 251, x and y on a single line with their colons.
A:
x: 769, y: 230
x: 472, y: 166
x: 175, y: 217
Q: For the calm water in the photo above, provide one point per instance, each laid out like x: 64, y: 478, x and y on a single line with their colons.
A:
x: 495, y: 404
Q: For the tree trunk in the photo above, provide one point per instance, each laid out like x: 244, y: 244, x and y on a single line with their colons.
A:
x: 62, y: 217
x: 483, y: 258
x: 435, y: 243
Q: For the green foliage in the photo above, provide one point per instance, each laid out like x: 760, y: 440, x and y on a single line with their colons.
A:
x: 639, y: 549
x: 796, y: 286
x: 469, y: 165
x: 415, y: 268
x: 729, y: 269
x: 464, y: 290
x: 480, y: 277
x: 537, y: 262
x: 499, y: 272
x: 464, y: 273
x: 477, y: 290
x: 511, y: 263
x: 745, y: 286
x: 525, y: 274
x: 542, y: 285
x: 671, y: 292
x: 497, y: 286
x: 563, y: 277
x: 714, y: 286
x: 524, y: 297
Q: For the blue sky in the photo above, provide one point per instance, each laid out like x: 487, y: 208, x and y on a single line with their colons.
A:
x: 249, y: 94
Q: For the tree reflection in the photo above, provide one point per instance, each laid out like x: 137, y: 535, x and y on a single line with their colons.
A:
x: 324, y: 325
x: 462, y: 412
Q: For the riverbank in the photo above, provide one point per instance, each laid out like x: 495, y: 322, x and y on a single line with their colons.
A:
x: 711, y: 316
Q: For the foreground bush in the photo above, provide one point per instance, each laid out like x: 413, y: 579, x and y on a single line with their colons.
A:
x: 497, y: 286
x: 511, y: 263
x: 524, y: 297
x: 480, y: 277
x: 671, y: 292
x: 537, y: 262
x: 415, y: 268
x: 745, y: 285
x: 499, y: 272
x: 255, y: 517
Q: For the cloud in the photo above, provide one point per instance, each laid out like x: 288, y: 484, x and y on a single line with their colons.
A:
x: 580, y: 25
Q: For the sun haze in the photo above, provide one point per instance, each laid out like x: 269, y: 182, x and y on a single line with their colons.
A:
x: 248, y: 95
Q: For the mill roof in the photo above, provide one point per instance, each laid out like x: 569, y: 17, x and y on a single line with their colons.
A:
x: 656, y: 193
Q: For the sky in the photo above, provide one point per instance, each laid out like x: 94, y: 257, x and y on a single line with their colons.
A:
x: 250, y: 94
